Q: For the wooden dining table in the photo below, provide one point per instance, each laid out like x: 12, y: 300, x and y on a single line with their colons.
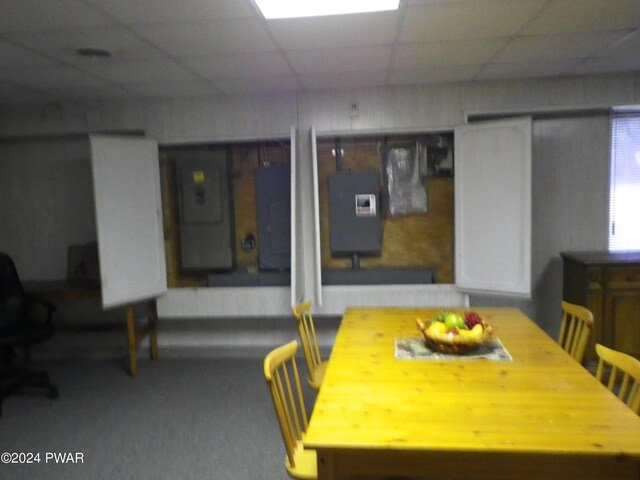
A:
x: 540, y: 415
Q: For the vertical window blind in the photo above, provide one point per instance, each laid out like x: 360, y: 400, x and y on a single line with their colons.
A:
x: 624, y: 200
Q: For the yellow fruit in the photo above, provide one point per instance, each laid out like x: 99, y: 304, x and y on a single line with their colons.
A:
x: 476, y: 332
x: 436, y: 328
x: 465, y: 333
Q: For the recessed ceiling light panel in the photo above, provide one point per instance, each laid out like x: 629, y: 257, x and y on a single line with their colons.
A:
x: 314, y: 8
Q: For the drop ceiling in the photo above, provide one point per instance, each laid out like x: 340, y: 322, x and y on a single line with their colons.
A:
x: 172, y: 48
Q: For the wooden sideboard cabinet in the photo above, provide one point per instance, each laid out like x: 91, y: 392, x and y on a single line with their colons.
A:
x: 607, y: 283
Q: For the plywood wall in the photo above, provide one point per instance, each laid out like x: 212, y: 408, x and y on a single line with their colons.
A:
x: 407, y: 241
x: 246, y: 158
x: 418, y: 240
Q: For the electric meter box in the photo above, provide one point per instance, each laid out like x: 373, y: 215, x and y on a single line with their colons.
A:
x: 206, y: 234
x: 354, y: 212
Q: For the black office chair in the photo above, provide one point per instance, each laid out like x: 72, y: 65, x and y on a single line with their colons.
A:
x: 24, y: 321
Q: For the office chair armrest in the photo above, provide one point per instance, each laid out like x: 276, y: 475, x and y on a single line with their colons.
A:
x: 42, y: 302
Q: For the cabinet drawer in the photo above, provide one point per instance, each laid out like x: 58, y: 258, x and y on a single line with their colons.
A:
x: 621, y: 276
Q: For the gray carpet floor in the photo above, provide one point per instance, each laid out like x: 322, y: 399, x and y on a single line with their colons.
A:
x: 201, y: 418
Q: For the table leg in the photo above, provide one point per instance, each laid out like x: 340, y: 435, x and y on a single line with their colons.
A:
x: 131, y: 337
x: 326, y: 466
x: 153, y: 330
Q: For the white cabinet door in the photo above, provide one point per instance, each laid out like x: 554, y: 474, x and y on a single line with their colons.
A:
x: 297, y: 258
x: 317, y: 253
x: 493, y: 206
x: 126, y: 182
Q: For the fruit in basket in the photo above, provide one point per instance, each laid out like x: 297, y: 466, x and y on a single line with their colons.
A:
x: 471, y: 319
x: 437, y: 328
x: 441, y: 316
x: 476, y: 332
x: 454, y: 321
x: 452, y: 332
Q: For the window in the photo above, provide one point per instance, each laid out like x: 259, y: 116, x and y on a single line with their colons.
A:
x: 624, y: 224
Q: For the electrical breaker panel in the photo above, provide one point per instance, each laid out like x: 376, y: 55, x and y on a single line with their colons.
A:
x: 206, y: 220
x: 273, y: 197
x: 354, y: 212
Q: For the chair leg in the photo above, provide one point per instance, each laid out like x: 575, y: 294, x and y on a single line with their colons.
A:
x: 14, y: 380
x: 38, y: 381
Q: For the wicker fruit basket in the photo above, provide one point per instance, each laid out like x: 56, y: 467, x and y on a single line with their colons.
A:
x: 454, y: 344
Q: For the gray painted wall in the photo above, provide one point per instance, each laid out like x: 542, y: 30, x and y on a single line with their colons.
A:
x: 46, y: 193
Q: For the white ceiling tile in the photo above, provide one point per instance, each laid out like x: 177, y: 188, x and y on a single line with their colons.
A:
x: 202, y: 47
x: 628, y: 45
x: 11, y: 94
x: 566, y: 16
x: 548, y: 47
x: 335, y: 31
x: 346, y: 59
x: 451, y: 73
x: 458, y: 52
x: 170, y: 11
x: 239, y: 65
x: 174, y: 89
x: 144, y: 71
x: 467, y: 20
x: 38, y: 15
x: 62, y: 44
x: 105, y: 91
x: 525, y: 69
x: 208, y: 38
x: 255, y: 84
x: 14, y: 56
x: 344, y: 80
x: 607, y: 64
x: 49, y: 76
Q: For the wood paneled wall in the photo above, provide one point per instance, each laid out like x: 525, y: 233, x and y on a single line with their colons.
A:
x: 407, y: 241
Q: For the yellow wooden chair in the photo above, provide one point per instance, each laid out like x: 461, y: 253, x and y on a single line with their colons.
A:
x: 315, y: 364
x: 624, y: 376
x: 577, y: 323
x: 281, y: 372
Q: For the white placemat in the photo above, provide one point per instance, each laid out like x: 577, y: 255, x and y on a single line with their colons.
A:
x: 414, y: 348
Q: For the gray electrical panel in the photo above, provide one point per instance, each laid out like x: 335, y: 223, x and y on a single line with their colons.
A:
x: 354, y: 212
x: 273, y: 199
x: 206, y: 219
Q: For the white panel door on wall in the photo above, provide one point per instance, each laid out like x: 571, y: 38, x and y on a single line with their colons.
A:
x: 493, y: 206
x: 317, y: 253
x: 126, y: 181
x: 297, y: 255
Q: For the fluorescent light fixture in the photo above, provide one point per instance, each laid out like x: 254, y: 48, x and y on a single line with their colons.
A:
x: 315, y: 8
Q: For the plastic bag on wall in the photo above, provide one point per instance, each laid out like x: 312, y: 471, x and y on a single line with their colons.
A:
x: 405, y: 189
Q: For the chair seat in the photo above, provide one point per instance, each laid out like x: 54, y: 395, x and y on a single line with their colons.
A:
x: 318, y: 375
x: 306, y: 464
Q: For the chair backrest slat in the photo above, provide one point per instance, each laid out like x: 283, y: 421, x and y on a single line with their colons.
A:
x: 623, y: 375
x: 308, y: 337
x: 575, y: 330
x: 282, y: 377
